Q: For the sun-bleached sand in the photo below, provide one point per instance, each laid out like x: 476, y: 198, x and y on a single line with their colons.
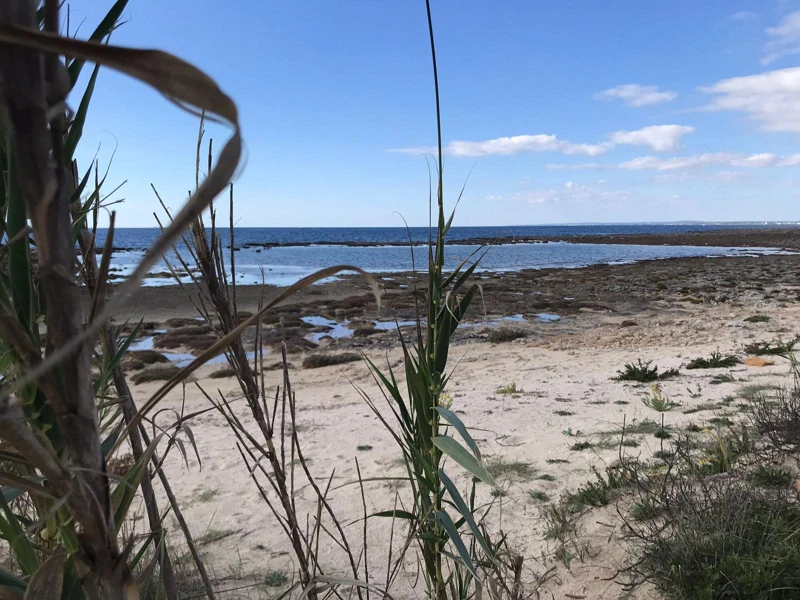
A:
x: 563, y: 373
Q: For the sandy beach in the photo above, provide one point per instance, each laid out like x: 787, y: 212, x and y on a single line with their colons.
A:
x: 530, y: 402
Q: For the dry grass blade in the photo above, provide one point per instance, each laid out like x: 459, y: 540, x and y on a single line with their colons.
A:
x: 181, y: 83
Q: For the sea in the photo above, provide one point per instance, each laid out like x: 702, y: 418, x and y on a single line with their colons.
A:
x: 281, y: 256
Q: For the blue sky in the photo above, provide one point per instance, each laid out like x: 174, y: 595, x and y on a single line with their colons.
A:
x: 566, y: 112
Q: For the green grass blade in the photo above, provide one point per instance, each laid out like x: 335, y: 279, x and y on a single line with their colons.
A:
x: 462, y: 456
x: 101, y: 381
x: 452, y: 418
x: 454, y: 536
x: 20, y: 545
x: 104, y: 29
x: 9, y: 580
x: 395, y: 514
x: 76, y: 127
x: 464, y: 510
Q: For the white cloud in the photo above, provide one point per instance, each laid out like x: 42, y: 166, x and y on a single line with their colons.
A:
x: 682, y: 162
x: 514, y: 145
x: 784, y: 39
x: 573, y: 192
x: 634, y: 94
x: 660, y: 138
x: 696, y: 161
x: 755, y: 160
x: 769, y: 98
x: 743, y: 15
x: 494, y: 198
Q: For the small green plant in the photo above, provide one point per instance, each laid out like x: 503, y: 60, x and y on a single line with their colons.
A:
x: 644, y: 510
x: 664, y: 455
x: 275, y: 579
x: 500, y: 467
x: 642, y: 372
x: 657, y: 401
x: 557, y: 461
x: 545, y: 477
x: 363, y: 447
x: 718, y: 379
x: 580, y: 446
x: 539, y: 496
x: 207, y: 495
x: 563, y: 413
x: 630, y: 443
x: 510, y: 388
x: 663, y: 434
x: 716, y: 361
x: 777, y: 348
x: 569, y: 433
x: 757, y: 319
x: 597, y: 492
x: 498, y: 493
x: 771, y: 476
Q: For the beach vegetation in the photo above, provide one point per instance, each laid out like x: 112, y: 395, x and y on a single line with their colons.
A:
x: 716, y: 361
x: 757, y: 319
x: 508, y: 389
x: 642, y: 372
x: 657, y: 400
x: 502, y: 335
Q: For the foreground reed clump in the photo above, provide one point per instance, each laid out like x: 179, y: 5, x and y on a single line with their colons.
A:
x: 65, y: 407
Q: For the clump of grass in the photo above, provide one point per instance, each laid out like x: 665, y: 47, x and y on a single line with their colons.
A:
x: 628, y: 323
x: 725, y: 541
x: 563, y: 413
x: 716, y: 361
x: 510, y: 388
x: 718, y: 379
x: 215, y: 535
x: 644, y: 510
x: 222, y: 373
x: 757, y: 319
x: 545, y: 477
x: 657, y: 400
x: 275, y: 579
x: 630, y: 443
x: 664, y: 455
x: 363, y: 447
x: 597, y: 492
x: 501, y: 467
x: 621, y: 402
x: 155, y: 373
x: 701, y: 407
x: 771, y: 476
x: 207, y: 495
x: 777, y: 348
x: 557, y: 461
x: 642, y: 372
x: 580, y: 446
x: 539, y: 496
x: 643, y: 426
x: 498, y: 493
x: 662, y: 434
x: 505, y: 334
x: 316, y: 361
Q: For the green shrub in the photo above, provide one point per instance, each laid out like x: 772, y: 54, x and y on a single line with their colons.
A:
x: 579, y: 446
x: 757, y: 319
x: 597, y: 492
x: 509, y: 388
x: 726, y: 543
x: 657, y: 401
x: 771, y: 476
x: 715, y: 361
x: 777, y: 348
x: 642, y: 372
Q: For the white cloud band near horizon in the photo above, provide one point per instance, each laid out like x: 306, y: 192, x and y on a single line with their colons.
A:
x: 783, y: 39
x: 696, y: 161
x: 659, y: 138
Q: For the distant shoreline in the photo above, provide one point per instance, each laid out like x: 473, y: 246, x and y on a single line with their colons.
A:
x: 784, y: 238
